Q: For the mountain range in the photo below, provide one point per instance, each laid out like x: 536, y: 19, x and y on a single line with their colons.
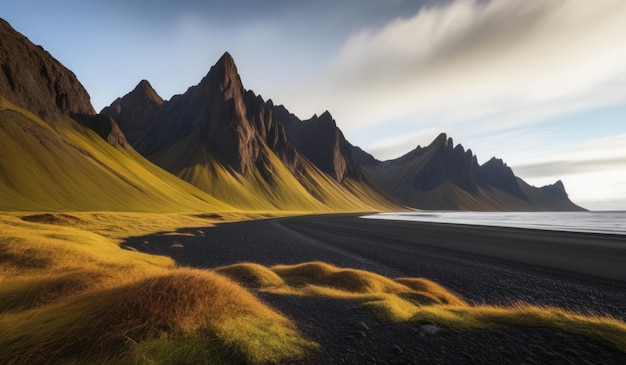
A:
x: 215, y: 147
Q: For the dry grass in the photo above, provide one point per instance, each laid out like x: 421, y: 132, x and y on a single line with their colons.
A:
x: 251, y: 274
x: 68, y: 295
x: 319, y: 278
x: 419, y: 299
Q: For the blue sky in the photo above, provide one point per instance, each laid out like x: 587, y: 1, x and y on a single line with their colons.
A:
x: 541, y: 85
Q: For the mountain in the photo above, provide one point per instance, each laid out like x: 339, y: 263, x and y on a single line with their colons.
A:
x: 243, y: 150
x: 56, y: 154
x: 32, y: 79
x: 447, y: 177
x: 248, y: 152
x: 135, y: 109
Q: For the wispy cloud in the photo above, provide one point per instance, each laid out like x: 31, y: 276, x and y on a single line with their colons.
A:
x: 594, y: 172
x: 393, y: 147
x: 606, y: 154
x: 471, y: 63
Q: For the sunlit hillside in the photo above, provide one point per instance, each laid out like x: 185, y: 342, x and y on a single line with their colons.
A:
x: 69, y: 167
x: 193, y: 162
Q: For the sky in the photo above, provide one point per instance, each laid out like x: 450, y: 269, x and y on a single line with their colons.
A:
x: 539, y: 84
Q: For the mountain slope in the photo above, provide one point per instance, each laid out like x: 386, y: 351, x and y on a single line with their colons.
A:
x: 70, y: 167
x: 57, y: 154
x: 230, y: 143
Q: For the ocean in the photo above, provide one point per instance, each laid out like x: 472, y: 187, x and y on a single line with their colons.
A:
x: 611, y: 222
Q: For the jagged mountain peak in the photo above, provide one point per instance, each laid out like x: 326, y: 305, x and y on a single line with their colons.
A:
x: 494, y: 161
x: 556, y: 188
x: 227, y: 60
x: 225, y: 76
x: 135, y: 111
x: 145, y: 90
x: 441, y: 140
x: 324, y: 120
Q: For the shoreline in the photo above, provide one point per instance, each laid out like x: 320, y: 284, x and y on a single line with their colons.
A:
x: 601, y: 255
x: 463, y: 260
x: 495, y: 219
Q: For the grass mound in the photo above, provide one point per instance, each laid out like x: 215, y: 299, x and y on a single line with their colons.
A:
x: 326, y: 279
x: 253, y: 275
x: 30, y: 292
x: 153, y: 312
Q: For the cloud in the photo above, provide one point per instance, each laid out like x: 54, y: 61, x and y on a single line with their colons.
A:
x: 394, y: 147
x: 470, y: 63
x: 593, y: 172
x: 605, y: 154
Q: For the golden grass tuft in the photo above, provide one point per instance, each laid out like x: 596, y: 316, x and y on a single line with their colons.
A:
x: 432, y: 290
x: 419, y: 299
x: 183, y: 303
x: 327, y: 279
x: 29, y: 292
x: 252, y: 275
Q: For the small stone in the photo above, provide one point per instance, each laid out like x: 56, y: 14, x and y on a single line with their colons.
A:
x: 430, y: 329
x: 364, y: 326
x: 397, y: 349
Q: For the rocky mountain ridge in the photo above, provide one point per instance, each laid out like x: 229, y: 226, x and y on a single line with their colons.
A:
x: 235, y: 123
x: 255, y: 142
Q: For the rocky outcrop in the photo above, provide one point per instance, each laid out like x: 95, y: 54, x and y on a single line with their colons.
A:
x: 105, y: 127
x: 32, y: 79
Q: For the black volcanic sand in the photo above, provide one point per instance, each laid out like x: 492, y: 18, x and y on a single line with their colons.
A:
x: 493, y: 265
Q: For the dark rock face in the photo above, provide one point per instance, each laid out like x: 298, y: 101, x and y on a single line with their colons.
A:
x: 235, y: 124
x: 363, y: 158
x: 447, y: 163
x: 322, y: 143
x: 444, y: 176
x: 105, y: 127
x: 557, y: 189
x: 32, y: 79
x: 497, y: 174
x: 135, y: 111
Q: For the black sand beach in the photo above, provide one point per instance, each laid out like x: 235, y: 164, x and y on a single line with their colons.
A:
x: 492, y: 265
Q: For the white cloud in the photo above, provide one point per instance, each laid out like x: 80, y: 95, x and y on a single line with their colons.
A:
x: 594, y: 172
x: 472, y: 63
x: 605, y: 154
x: 394, y: 147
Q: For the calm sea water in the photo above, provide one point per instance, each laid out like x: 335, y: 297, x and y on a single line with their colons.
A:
x: 613, y: 222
